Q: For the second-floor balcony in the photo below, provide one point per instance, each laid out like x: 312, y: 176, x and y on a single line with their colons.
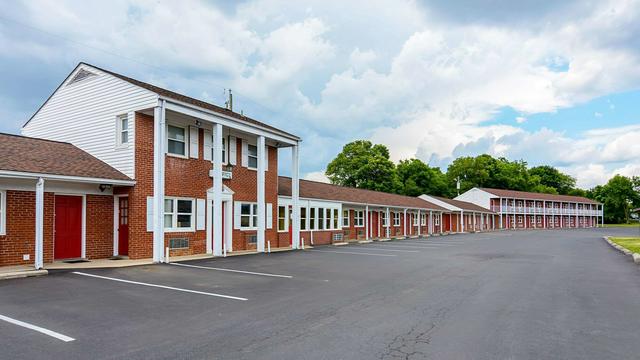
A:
x: 545, y: 210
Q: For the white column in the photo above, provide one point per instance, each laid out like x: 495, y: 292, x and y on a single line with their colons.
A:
x: 451, y: 222
x: 261, y: 194
x: 217, y: 191
x: 430, y: 225
x: 461, y: 220
x: 419, y: 223
x: 474, y: 220
x: 295, y: 196
x: 366, y: 222
x: 39, y: 246
x: 387, y: 233
x: 500, y: 213
x: 159, y: 129
x: 440, y: 222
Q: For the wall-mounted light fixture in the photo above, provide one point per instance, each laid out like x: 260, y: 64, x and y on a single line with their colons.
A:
x: 104, y: 187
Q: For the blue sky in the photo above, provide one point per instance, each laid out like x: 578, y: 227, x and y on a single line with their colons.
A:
x: 549, y: 82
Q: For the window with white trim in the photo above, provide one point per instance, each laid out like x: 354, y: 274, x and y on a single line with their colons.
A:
x: 335, y: 218
x: 176, y: 140
x: 423, y: 219
x: 519, y: 219
x: 224, y: 150
x: 320, y: 218
x: 328, y: 219
x: 303, y: 218
x: 248, y: 216
x: 282, y: 218
x: 3, y: 212
x: 415, y: 219
x: 436, y: 220
x: 312, y: 219
x: 178, y: 214
x: 122, y: 129
x: 539, y: 219
x: 252, y: 156
x: 383, y: 218
x: 345, y: 218
x: 396, y: 219
x: 358, y: 218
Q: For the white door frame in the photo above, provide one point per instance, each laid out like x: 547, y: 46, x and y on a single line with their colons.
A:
x: 116, y: 222
x: 227, y: 202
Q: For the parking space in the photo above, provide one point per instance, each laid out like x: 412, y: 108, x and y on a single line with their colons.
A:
x: 430, y: 292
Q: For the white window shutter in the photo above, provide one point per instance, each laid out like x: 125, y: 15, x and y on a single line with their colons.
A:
x: 193, y: 142
x: 269, y: 216
x: 245, y: 153
x: 266, y: 158
x: 200, y: 214
x: 232, y: 150
x: 149, y: 213
x: 236, y: 215
x: 207, y: 145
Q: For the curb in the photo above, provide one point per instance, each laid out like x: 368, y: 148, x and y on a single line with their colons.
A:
x: 634, y: 256
x: 340, y: 244
x: 365, y: 241
x: 22, y: 274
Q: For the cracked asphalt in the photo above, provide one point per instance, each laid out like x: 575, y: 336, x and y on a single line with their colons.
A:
x: 556, y: 294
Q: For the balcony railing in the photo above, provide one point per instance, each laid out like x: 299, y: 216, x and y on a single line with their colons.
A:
x: 545, y: 211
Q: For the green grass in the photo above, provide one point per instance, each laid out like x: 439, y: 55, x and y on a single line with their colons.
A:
x: 622, y: 225
x: 631, y: 243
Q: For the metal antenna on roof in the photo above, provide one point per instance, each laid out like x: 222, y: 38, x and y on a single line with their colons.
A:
x: 229, y: 103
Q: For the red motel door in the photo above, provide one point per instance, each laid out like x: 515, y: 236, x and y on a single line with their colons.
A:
x: 123, y: 226
x: 68, y: 227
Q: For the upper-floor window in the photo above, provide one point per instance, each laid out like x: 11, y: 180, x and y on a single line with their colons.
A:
x: 358, y: 218
x: 345, y: 218
x: 177, y: 140
x: 396, y: 219
x: 178, y: 214
x: 122, y: 128
x: 252, y: 156
x: 224, y: 150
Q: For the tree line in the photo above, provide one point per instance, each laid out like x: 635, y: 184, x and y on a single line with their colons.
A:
x: 365, y: 165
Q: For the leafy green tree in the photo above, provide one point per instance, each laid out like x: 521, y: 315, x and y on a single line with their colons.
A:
x: 487, y: 171
x: 552, y: 177
x: 364, y: 165
x: 618, y: 195
x: 418, y: 178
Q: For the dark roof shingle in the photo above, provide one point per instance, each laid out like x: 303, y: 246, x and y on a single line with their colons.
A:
x: 32, y: 155
x: 323, y: 191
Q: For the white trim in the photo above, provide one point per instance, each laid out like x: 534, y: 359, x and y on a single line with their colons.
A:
x: 120, y: 130
x: 185, y: 128
x: 3, y: 212
x: 80, y: 179
x: 174, y: 214
x: 83, y: 236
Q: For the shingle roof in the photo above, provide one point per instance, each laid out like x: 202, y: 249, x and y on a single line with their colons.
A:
x: 192, y: 101
x: 32, y: 155
x: 464, y: 205
x: 323, y: 191
x: 537, y: 196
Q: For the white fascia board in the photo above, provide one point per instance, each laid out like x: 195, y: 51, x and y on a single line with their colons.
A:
x: 362, y: 204
x: 228, y: 121
x: 80, y: 179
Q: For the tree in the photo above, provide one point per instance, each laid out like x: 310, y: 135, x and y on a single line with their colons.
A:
x: 618, y: 196
x: 552, y: 177
x: 417, y: 178
x: 487, y: 171
x: 364, y: 165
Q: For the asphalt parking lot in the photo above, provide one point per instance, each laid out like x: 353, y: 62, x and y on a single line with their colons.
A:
x: 557, y: 294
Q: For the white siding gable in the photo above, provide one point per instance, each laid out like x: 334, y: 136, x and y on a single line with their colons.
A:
x: 84, y: 113
x: 478, y: 197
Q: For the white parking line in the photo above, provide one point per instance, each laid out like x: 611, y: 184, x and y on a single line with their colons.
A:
x: 39, y: 329
x: 161, y: 286
x: 350, y: 252
x: 369, y: 247
x: 233, y: 270
x: 417, y: 246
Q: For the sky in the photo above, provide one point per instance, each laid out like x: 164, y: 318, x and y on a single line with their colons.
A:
x: 548, y: 82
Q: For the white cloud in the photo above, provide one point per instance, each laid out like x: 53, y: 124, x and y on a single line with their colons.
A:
x: 521, y: 119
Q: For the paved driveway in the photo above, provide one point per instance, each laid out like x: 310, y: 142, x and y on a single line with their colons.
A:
x: 505, y: 295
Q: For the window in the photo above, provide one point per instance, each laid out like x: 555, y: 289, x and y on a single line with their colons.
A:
x: 519, y: 219
x: 328, y: 219
x: 122, y: 128
x: 224, y: 150
x: 303, y: 218
x: 396, y: 219
x: 383, y: 218
x: 320, y: 218
x: 345, y: 218
x: 312, y: 219
x: 248, y: 215
x: 3, y: 212
x: 178, y: 214
x: 415, y: 219
x: 282, y: 213
x: 423, y: 219
x: 539, y: 219
x: 358, y: 218
x: 252, y: 156
x: 436, y: 220
x: 177, y: 141
x: 335, y: 218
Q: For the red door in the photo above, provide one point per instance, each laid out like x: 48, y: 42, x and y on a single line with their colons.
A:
x: 68, y: 227
x: 123, y: 226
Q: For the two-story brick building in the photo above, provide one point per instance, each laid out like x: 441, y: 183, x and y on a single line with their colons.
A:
x: 203, y: 178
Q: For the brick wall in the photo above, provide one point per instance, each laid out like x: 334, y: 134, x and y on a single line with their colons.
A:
x: 190, y: 178
x: 99, y: 226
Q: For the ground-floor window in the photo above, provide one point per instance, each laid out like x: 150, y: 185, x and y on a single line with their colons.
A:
x: 336, y: 218
x: 358, y: 218
x: 282, y: 217
x: 345, y: 218
x: 415, y: 220
x: 248, y: 216
x: 178, y: 214
x: 396, y: 219
x: 437, y: 220
x: 423, y: 219
x: 383, y: 217
x: 303, y: 218
x: 519, y: 219
x: 3, y: 212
